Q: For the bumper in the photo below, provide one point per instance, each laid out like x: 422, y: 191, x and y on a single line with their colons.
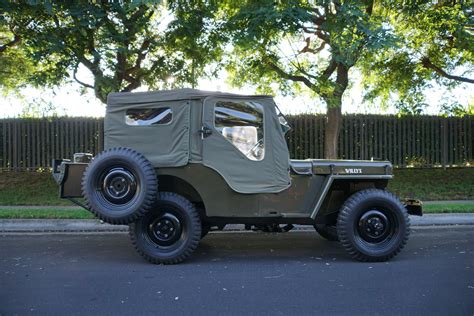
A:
x: 68, y: 175
x: 414, y: 207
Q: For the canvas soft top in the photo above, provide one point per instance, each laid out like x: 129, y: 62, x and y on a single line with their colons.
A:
x: 123, y: 98
x: 178, y: 142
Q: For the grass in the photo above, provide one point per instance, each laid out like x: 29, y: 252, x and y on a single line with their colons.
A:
x: 448, y: 208
x: 434, y: 184
x: 39, y: 188
x: 45, y: 214
x: 29, y: 188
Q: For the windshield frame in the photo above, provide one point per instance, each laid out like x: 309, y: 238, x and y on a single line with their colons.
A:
x: 288, y: 127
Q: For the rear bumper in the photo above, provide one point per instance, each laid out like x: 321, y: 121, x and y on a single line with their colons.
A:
x: 68, y: 175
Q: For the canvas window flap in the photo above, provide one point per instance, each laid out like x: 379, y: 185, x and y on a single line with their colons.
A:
x: 164, y: 145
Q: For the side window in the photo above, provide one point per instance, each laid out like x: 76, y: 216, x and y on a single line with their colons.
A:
x: 241, y: 123
x: 143, y: 117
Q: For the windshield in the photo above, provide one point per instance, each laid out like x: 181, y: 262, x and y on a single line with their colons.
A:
x: 285, y: 126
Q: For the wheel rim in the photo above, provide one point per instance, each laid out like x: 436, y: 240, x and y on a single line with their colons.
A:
x: 118, y: 185
x: 165, y: 230
x: 376, y: 226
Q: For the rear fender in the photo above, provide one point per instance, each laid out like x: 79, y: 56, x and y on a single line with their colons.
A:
x: 337, y: 188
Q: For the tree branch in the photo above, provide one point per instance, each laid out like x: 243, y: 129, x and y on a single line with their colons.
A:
x: 16, y: 39
x: 79, y: 81
x: 291, y: 77
x: 329, y: 70
x: 426, y: 62
x: 141, y: 54
x: 134, y: 83
x: 325, y: 37
x: 308, y: 49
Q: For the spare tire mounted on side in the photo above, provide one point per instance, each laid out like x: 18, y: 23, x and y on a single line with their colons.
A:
x: 119, y: 185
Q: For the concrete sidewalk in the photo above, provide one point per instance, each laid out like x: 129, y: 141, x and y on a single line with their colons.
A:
x: 92, y: 225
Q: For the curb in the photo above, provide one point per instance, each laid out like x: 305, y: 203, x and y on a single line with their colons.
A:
x: 92, y: 225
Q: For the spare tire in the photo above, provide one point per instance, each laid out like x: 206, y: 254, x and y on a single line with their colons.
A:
x: 119, y: 185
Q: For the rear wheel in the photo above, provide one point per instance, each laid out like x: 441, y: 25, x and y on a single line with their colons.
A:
x: 170, y: 232
x: 373, y: 225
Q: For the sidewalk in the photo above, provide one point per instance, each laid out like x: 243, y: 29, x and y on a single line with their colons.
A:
x: 92, y: 225
x: 75, y: 207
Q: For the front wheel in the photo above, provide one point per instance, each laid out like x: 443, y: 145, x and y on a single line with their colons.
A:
x: 170, y: 232
x: 373, y: 225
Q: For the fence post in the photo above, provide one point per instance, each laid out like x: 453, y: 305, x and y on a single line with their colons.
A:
x: 444, y: 141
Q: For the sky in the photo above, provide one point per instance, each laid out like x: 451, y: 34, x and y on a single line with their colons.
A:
x: 68, y: 101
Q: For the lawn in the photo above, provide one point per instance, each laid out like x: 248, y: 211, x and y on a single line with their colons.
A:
x: 448, y: 208
x: 39, y: 188
x: 29, y: 188
x: 434, y: 184
x: 45, y: 213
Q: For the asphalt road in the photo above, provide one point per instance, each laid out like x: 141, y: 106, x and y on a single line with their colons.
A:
x: 235, y: 273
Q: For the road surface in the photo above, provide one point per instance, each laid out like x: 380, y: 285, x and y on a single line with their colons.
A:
x: 296, y: 273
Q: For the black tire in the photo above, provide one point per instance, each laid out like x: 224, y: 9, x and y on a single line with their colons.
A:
x: 373, y: 225
x: 328, y: 232
x: 119, y: 185
x: 169, y: 233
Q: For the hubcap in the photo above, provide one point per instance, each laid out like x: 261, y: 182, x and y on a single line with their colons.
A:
x: 374, y: 226
x: 119, y: 185
x: 165, y: 230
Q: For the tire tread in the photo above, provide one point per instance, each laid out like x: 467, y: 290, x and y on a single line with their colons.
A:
x: 195, y: 237
x: 150, y: 178
x: 344, y: 218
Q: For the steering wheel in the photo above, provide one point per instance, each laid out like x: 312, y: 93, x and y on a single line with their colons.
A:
x: 253, y: 150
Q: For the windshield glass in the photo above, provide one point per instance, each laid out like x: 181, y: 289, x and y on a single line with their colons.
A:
x: 285, y: 126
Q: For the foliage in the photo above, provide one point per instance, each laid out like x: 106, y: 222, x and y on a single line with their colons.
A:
x: 304, y: 44
x: 398, y: 47
x: 122, y: 44
x: 15, y: 67
x: 434, y: 40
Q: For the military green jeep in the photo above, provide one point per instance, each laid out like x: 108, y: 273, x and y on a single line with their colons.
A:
x: 180, y: 163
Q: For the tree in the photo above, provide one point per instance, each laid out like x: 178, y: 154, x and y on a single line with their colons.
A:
x: 15, y: 67
x: 319, y: 45
x: 122, y: 44
x: 324, y: 42
x: 434, y: 40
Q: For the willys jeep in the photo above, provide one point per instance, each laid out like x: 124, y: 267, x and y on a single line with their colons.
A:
x: 180, y: 163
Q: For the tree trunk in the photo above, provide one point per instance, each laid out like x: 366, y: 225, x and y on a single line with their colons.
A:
x: 333, y: 126
x: 334, y: 113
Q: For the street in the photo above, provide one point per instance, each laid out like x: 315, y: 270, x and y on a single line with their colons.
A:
x: 236, y: 273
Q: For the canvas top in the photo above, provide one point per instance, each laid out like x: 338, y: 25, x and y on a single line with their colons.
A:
x: 122, y: 98
x: 177, y: 142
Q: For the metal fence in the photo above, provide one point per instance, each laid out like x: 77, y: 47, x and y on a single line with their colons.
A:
x: 31, y: 144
